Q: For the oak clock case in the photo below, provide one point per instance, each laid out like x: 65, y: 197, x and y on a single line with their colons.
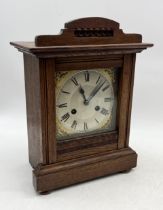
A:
x: 79, y: 87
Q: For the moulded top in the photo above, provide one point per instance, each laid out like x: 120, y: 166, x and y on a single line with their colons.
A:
x: 93, y: 35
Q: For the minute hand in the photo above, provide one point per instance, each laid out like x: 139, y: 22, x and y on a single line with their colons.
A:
x: 95, y: 90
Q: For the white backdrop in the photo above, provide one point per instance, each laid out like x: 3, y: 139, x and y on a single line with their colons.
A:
x: 140, y: 189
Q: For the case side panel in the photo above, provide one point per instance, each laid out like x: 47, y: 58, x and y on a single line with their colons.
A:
x: 51, y: 115
x: 130, y: 99
x: 33, y: 108
x: 125, y: 100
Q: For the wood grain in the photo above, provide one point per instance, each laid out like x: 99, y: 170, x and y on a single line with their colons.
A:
x: 88, y: 145
x: 124, y: 99
x: 88, y: 63
x: 92, y: 30
x: 50, y: 101
x: 33, y: 106
x: 80, y: 50
x: 75, y: 171
x: 133, y: 59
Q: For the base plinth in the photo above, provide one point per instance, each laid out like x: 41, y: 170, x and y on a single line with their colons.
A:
x: 58, y: 175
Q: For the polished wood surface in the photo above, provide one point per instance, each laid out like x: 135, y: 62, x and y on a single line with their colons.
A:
x: 74, y: 171
x: 34, y: 113
x: 89, y: 31
x: 30, y: 47
x: 124, y: 100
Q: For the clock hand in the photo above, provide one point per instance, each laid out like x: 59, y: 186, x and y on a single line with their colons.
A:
x: 82, y: 92
x: 94, y: 91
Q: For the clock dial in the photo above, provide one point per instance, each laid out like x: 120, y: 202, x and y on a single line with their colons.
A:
x: 84, y: 101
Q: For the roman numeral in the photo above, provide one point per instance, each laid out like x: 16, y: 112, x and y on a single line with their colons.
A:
x: 62, y: 105
x: 73, y: 79
x: 65, y: 117
x: 104, y: 111
x: 107, y: 99
x: 74, y: 124
x: 85, y: 126
x: 86, y: 73
x: 65, y: 92
x: 96, y: 120
x: 98, y: 79
x: 105, y: 87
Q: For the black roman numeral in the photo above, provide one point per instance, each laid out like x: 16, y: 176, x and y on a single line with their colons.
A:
x: 96, y: 120
x: 107, y: 99
x: 73, y: 79
x: 65, y: 117
x: 66, y: 92
x: 105, y: 87
x: 62, y: 105
x: 86, y: 73
x: 104, y: 111
x: 74, y: 124
x: 85, y: 126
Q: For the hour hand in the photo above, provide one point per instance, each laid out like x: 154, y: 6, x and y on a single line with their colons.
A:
x: 82, y: 92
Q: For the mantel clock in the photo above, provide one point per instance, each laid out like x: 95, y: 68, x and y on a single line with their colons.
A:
x: 79, y: 88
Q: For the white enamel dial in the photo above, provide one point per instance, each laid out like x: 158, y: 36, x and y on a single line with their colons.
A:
x: 84, y: 101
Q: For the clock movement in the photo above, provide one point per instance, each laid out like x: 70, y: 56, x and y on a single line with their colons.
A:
x: 79, y: 87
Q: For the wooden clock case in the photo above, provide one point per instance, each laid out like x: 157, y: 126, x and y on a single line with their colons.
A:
x: 84, y: 44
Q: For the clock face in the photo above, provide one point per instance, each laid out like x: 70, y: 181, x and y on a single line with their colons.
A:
x: 85, y: 101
